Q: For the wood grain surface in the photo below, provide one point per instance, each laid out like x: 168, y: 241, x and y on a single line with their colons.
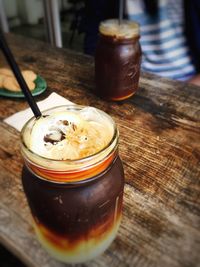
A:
x: 160, y: 148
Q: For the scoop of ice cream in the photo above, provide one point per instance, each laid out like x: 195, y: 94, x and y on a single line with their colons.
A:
x: 69, y: 135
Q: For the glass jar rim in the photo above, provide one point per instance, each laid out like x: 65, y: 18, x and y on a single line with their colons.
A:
x: 71, y: 161
x: 111, y: 39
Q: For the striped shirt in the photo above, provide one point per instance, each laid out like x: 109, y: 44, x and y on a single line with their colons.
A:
x: 163, y: 42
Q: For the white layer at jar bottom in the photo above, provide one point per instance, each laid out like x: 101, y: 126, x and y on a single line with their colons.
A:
x: 84, y: 251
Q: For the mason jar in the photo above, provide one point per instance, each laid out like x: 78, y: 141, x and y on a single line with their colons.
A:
x: 76, y: 205
x: 117, y: 60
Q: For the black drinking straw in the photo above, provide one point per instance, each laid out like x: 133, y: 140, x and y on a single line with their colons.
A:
x: 10, y: 58
x: 121, y: 10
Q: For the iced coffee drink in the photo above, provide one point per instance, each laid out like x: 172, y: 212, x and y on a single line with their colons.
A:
x: 73, y: 179
x: 117, y: 60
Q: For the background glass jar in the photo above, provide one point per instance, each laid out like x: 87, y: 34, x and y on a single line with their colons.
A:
x: 76, y: 204
x: 117, y: 60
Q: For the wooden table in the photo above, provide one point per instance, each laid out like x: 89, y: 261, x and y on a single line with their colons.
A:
x: 160, y: 148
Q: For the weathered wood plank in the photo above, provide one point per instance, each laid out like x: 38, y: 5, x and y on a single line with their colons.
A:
x: 159, y: 145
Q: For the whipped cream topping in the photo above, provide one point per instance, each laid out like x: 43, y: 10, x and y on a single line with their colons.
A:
x: 70, y: 134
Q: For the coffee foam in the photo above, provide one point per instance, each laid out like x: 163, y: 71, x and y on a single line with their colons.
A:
x: 127, y: 29
x: 69, y: 135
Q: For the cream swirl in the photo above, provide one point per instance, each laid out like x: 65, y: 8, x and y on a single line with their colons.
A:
x: 69, y: 135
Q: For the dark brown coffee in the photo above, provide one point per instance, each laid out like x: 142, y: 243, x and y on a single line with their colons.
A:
x: 68, y: 216
x: 76, y: 203
x: 117, y: 60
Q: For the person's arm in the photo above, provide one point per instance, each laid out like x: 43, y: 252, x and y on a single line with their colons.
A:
x: 195, y: 80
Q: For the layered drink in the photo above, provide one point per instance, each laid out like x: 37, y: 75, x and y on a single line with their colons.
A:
x: 117, y: 59
x: 73, y: 179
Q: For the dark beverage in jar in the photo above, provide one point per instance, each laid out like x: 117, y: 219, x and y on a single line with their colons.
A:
x: 75, y: 197
x: 117, y: 60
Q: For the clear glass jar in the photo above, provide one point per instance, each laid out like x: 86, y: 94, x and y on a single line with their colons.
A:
x: 76, y: 204
x: 117, y: 60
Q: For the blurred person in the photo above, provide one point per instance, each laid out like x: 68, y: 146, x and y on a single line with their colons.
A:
x: 170, y: 34
x: 95, y: 12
